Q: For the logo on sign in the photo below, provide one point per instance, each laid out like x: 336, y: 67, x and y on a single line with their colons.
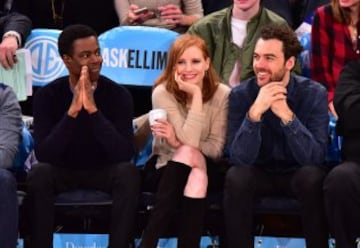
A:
x: 73, y: 245
x: 46, y: 62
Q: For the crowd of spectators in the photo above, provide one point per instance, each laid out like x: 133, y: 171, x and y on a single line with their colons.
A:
x: 229, y: 47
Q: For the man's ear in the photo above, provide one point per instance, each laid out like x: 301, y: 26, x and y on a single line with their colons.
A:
x: 66, y: 59
x: 290, y: 63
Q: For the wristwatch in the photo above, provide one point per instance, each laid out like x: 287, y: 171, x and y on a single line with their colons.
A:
x: 288, y: 122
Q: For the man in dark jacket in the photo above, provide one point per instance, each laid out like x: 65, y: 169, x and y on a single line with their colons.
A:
x: 342, y: 185
x: 83, y: 140
x: 277, y: 137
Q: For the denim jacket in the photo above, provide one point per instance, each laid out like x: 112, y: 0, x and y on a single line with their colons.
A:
x: 301, y: 142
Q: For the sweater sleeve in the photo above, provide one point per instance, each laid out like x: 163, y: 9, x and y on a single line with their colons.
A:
x: 122, y: 8
x: 116, y: 136
x: 213, y: 145
x: 10, y: 126
x: 193, y: 7
x: 112, y: 131
x: 187, y: 126
x: 51, y: 136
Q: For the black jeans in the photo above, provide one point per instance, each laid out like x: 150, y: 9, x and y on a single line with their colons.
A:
x: 243, y: 184
x: 342, y: 203
x: 45, y: 181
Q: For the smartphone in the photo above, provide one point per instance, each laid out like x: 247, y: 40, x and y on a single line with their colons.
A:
x: 141, y: 10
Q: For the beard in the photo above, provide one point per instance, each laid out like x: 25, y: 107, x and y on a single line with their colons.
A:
x: 278, y: 76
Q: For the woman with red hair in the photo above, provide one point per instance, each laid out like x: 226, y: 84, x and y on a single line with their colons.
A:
x: 186, y: 144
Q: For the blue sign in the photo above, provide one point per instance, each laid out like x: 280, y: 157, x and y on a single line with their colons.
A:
x: 80, y: 240
x: 277, y: 242
x: 64, y: 240
x: 46, y: 61
x: 135, y: 55
x: 132, y: 55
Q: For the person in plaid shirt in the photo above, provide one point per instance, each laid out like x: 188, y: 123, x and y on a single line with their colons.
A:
x: 334, y: 41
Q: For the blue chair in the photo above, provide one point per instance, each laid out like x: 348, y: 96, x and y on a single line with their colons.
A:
x: 47, y: 64
x: 132, y: 59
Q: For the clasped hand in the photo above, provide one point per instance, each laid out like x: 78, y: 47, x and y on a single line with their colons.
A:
x: 83, y: 94
x: 171, y: 13
x: 271, y: 96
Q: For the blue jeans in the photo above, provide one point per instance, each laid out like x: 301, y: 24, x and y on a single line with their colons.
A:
x: 8, y: 210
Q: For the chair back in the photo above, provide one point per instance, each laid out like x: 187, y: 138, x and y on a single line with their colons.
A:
x: 135, y: 55
x: 47, y: 64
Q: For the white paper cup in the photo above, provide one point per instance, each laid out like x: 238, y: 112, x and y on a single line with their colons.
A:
x: 156, y: 114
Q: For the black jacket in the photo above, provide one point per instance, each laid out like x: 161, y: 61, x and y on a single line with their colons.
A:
x: 11, y: 20
x: 347, y: 106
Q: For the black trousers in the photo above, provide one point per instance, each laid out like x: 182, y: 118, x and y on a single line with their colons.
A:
x: 243, y: 184
x: 342, y: 203
x: 45, y: 181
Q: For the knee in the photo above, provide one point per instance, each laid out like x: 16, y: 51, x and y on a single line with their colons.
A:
x: 239, y: 179
x: 39, y: 176
x: 340, y: 179
x: 7, y: 182
x: 190, y: 156
x: 196, y: 186
x: 308, y: 179
x: 127, y: 175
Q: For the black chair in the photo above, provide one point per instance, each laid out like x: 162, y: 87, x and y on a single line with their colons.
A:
x: 85, y: 205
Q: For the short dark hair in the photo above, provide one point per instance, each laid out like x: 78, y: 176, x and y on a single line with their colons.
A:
x: 70, y: 34
x: 283, y: 33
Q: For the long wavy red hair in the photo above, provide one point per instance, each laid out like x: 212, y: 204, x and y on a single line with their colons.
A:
x: 210, y: 80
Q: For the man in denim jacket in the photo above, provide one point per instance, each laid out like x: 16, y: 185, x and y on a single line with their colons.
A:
x: 277, y: 137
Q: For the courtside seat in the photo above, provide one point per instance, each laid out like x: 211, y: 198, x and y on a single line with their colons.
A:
x: 277, y: 205
x: 83, y: 198
x: 85, y: 206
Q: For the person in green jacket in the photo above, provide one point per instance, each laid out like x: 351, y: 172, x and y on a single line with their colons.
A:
x: 230, y: 35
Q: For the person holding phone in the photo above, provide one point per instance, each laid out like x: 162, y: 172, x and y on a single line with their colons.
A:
x: 277, y: 139
x: 176, y: 15
x: 187, y: 143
